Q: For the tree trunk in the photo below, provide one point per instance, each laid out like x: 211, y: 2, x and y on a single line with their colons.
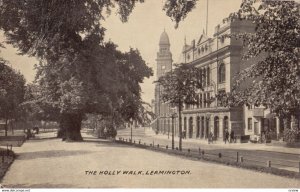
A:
x: 70, y: 125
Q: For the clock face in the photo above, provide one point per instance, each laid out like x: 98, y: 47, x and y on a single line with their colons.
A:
x: 163, y: 67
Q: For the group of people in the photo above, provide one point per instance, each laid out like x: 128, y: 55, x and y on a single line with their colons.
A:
x: 230, y: 138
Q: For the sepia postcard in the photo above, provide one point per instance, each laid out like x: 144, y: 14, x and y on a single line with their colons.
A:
x: 155, y: 94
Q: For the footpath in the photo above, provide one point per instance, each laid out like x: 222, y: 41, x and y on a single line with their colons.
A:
x: 220, y: 144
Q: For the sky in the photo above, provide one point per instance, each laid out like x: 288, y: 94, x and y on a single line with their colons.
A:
x: 142, y: 31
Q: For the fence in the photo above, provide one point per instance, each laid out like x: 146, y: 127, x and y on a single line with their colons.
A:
x: 233, y: 158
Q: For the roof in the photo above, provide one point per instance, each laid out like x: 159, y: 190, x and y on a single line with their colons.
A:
x: 164, y: 39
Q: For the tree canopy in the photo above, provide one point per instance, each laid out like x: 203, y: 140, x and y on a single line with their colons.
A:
x: 12, y: 90
x: 78, y: 73
x: 179, y: 87
x: 275, y: 78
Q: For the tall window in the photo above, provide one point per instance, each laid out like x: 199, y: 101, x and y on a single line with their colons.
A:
x: 200, y: 76
x: 222, y: 94
x: 208, y: 99
x: 249, y: 124
x: 204, y: 77
x: 226, y: 123
x: 200, y: 100
x: 221, y: 73
x: 208, y: 76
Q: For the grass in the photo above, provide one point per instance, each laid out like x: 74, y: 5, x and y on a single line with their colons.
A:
x: 6, y: 159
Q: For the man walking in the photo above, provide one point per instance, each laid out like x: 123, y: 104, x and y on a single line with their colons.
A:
x: 231, y: 136
x: 226, y: 136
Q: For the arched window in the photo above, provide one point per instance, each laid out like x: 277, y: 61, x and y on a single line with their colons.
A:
x: 225, y: 123
x: 221, y: 73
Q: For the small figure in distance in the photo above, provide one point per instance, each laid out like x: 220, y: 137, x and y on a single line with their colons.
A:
x: 226, y: 136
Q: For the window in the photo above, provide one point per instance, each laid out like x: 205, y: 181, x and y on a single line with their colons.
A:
x: 221, y: 94
x: 221, y: 73
x: 204, y: 77
x: 250, y: 124
x: 226, y: 123
x: 200, y: 100
x: 222, y: 39
x: 163, y: 67
x: 208, y: 76
x: 208, y: 99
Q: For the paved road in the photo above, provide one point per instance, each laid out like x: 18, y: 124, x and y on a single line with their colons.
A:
x: 282, y: 160
x: 51, y: 163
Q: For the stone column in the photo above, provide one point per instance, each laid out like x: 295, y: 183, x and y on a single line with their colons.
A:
x: 195, y: 126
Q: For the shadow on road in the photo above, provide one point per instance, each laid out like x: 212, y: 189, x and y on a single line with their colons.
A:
x: 50, y: 154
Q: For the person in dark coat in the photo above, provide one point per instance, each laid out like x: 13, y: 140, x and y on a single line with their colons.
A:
x: 184, y: 134
x: 210, y: 137
x: 231, y: 136
x: 226, y: 136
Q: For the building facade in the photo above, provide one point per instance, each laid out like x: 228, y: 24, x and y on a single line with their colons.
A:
x: 219, y: 60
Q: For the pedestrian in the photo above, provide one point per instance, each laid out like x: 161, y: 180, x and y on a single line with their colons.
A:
x: 105, y: 133
x: 210, y: 137
x: 231, y: 136
x: 226, y: 136
x: 184, y: 134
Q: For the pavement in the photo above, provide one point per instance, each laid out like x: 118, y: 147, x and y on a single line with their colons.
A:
x: 47, y: 162
x: 221, y: 144
x: 253, y: 154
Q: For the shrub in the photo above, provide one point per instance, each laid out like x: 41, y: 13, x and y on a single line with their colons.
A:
x: 291, y: 135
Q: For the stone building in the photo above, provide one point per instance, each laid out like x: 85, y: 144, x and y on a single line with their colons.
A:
x: 219, y: 59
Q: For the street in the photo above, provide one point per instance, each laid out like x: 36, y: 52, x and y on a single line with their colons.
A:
x: 94, y: 163
x: 255, y: 154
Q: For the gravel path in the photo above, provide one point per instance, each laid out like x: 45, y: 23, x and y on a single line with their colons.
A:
x: 51, y: 163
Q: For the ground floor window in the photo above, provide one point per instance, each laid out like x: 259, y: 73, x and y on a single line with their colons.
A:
x: 250, y: 124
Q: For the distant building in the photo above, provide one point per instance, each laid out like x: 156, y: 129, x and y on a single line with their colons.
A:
x: 164, y: 64
x: 219, y: 59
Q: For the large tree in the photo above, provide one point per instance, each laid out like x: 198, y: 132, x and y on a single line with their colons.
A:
x: 275, y: 78
x: 12, y: 90
x: 77, y: 71
x: 180, y: 87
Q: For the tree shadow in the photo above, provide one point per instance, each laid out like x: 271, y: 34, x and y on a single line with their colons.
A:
x: 51, y: 154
